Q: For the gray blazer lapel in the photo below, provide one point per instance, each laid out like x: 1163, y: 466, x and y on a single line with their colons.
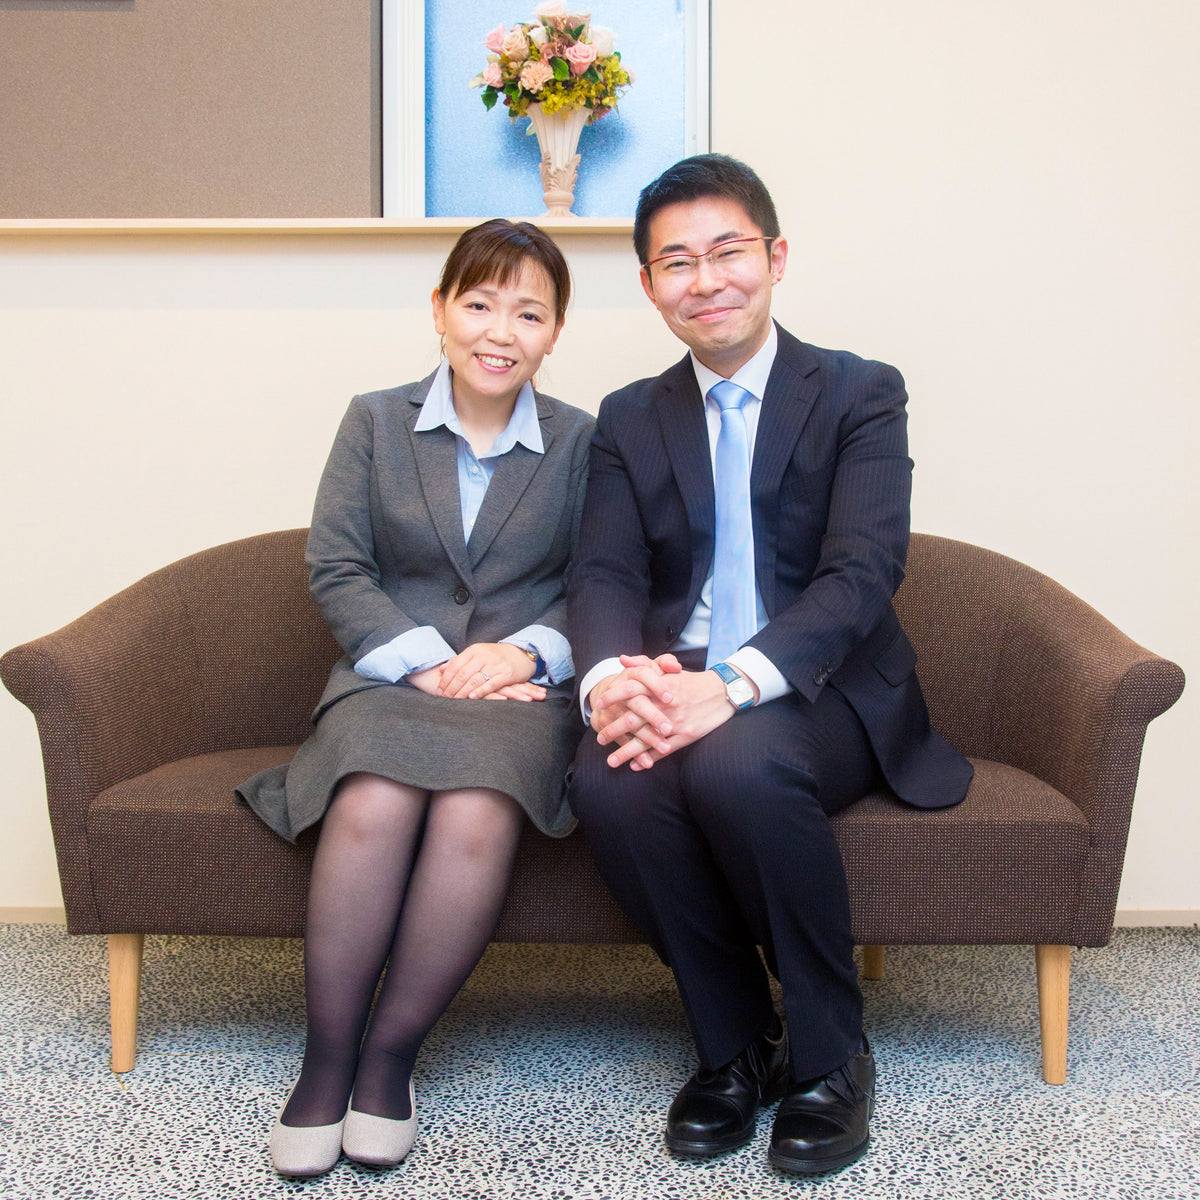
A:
x: 513, y: 474
x: 436, y: 455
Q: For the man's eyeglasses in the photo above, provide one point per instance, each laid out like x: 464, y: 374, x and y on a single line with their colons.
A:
x: 727, y: 256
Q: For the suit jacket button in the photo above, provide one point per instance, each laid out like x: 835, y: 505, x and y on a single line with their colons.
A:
x: 672, y: 633
x: 461, y: 596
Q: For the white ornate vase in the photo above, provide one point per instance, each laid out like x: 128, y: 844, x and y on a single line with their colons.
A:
x: 558, y: 137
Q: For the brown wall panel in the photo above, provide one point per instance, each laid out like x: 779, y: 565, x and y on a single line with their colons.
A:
x: 182, y: 108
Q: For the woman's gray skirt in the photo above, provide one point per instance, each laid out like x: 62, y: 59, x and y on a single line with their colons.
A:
x: 430, y: 742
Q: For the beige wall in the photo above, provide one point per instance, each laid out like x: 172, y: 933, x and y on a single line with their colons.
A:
x: 998, y: 198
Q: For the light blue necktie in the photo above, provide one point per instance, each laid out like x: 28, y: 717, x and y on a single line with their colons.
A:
x: 734, y: 617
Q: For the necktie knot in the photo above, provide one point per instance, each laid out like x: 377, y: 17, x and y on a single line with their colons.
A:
x: 728, y: 395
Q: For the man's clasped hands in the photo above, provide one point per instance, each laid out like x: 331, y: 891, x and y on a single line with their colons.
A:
x: 653, y: 707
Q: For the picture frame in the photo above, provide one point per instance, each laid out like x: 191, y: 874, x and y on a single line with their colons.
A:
x: 445, y: 155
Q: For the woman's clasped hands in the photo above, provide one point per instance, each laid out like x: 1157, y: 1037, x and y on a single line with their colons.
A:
x: 484, y: 671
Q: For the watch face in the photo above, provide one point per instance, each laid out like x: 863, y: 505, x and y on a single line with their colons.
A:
x: 740, y: 692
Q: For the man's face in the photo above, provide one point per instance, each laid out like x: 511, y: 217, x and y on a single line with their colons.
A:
x: 720, y: 310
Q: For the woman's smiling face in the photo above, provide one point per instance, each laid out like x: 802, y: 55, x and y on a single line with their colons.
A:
x: 496, y: 335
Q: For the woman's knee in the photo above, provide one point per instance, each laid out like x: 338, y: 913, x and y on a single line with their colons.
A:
x: 474, y: 822
x: 368, y: 805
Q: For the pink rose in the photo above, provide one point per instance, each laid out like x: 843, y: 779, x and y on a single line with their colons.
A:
x: 495, y: 40
x: 491, y: 75
x: 535, y: 75
x: 580, y: 56
x: 551, y: 8
x: 516, y: 47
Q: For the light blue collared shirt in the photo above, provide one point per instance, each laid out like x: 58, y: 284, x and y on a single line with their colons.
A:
x: 424, y: 647
x: 752, y: 376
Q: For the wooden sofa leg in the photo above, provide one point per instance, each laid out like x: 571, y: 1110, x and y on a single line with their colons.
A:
x: 124, y: 987
x: 872, y: 962
x: 1054, y: 990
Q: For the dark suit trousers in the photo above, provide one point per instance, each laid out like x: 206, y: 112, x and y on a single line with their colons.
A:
x: 726, y: 845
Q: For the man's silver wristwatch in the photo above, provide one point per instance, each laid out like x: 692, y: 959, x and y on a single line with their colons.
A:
x: 738, y: 689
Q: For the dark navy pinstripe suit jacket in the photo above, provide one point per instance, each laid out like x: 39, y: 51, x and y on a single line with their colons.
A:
x: 830, y: 483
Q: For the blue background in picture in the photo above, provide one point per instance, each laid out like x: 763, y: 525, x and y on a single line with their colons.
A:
x: 479, y: 164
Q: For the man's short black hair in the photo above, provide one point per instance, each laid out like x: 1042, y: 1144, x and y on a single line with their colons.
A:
x: 696, y: 178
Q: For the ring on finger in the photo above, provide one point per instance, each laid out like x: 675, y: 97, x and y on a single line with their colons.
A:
x: 485, y: 675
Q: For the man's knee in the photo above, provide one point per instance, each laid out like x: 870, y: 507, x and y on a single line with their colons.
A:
x: 600, y: 794
x: 733, y: 772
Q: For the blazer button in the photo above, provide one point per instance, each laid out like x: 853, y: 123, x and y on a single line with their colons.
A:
x: 672, y: 633
x: 461, y: 595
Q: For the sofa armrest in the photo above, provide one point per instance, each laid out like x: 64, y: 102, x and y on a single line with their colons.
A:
x: 222, y: 650
x: 1070, y: 690
x: 1019, y: 670
x: 115, y: 693
x: 1073, y: 699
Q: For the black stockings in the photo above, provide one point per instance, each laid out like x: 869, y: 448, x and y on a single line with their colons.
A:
x: 412, y: 879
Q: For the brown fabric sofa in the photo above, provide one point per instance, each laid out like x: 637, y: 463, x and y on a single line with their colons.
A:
x: 151, y: 707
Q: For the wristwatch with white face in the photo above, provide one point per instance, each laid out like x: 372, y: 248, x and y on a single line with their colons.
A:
x: 738, y: 689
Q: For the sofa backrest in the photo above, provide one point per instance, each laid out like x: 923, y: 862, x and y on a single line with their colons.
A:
x: 263, y: 652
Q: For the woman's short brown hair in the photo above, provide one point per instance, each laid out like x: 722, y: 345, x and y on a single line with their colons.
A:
x: 496, y: 252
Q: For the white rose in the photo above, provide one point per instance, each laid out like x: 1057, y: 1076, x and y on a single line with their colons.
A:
x: 603, y: 39
x: 551, y: 8
x: 536, y: 34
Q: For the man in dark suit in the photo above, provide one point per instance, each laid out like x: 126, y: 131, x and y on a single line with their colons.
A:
x: 744, y: 531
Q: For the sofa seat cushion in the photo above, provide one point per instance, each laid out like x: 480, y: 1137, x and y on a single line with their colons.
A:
x: 1001, y: 867
x: 173, y: 851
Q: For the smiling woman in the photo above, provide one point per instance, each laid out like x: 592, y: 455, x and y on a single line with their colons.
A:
x: 499, y: 308
x: 495, y: 337
x: 441, y: 534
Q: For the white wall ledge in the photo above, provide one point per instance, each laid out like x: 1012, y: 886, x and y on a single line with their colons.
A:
x: 121, y: 226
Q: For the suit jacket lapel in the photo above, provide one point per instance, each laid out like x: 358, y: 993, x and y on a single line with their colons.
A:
x: 513, y: 474
x: 436, y: 454
x: 680, y: 409
x: 792, y: 390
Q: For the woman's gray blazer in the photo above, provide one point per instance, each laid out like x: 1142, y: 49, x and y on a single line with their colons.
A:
x: 386, y: 550
x: 385, y: 555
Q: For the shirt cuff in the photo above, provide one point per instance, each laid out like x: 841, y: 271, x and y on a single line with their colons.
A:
x: 414, y: 650
x: 609, y: 666
x: 551, y: 647
x: 761, y: 671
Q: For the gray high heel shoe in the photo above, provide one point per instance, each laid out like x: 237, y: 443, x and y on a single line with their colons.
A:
x: 303, y: 1150
x: 379, y: 1141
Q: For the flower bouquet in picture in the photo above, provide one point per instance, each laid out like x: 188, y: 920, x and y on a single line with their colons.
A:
x: 561, y: 72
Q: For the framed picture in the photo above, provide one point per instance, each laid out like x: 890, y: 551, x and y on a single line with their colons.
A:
x: 446, y: 155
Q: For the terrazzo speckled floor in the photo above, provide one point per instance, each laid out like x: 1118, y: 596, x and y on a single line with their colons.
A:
x: 549, y: 1078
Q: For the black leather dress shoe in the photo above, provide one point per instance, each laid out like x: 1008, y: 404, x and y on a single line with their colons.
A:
x: 714, y: 1111
x: 823, y: 1124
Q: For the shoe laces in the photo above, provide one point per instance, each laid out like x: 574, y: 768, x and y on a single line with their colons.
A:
x: 843, y: 1084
